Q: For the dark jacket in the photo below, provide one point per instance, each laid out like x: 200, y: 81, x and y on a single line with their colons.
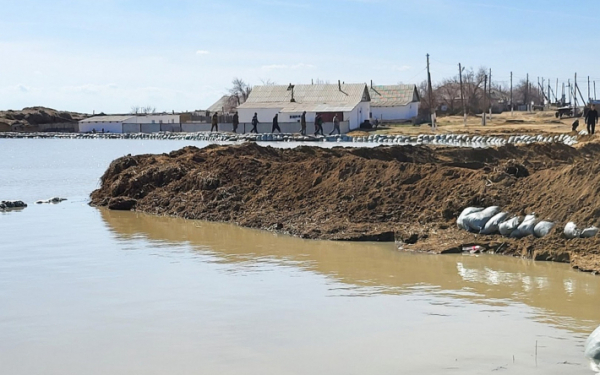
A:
x: 255, y: 120
x: 275, y: 120
x: 236, y: 119
x: 215, y: 119
x: 592, y: 116
x: 303, y: 119
x: 319, y: 120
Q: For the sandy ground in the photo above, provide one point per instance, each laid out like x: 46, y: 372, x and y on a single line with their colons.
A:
x: 505, y: 123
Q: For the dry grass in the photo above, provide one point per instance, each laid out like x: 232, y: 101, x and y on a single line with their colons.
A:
x: 505, y: 123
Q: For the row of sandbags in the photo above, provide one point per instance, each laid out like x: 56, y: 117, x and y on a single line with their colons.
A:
x: 492, y: 221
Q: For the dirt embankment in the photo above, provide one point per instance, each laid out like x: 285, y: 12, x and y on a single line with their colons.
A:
x: 30, y: 118
x: 413, y: 194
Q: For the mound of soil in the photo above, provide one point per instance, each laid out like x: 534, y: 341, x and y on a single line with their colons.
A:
x: 411, y: 194
x: 30, y: 117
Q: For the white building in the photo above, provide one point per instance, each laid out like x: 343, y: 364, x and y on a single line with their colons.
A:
x: 350, y: 102
x: 130, y: 124
x: 394, y: 102
x: 110, y: 124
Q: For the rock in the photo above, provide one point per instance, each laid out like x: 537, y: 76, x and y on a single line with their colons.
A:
x: 53, y: 200
x: 121, y: 204
x: 8, y: 205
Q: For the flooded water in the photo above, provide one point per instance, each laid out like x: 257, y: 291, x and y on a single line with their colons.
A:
x: 88, y: 291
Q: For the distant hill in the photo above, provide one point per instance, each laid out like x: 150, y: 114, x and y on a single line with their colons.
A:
x: 33, y: 118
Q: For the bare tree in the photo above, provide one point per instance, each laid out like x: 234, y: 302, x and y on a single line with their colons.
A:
x: 267, y: 82
x: 146, y: 110
x: 525, y: 95
x: 149, y: 110
x: 239, y: 92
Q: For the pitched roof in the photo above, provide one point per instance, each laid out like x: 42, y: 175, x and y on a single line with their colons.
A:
x: 393, y: 95
x: 308, y: 97
x: 221, y: 104
x: 107, y: 118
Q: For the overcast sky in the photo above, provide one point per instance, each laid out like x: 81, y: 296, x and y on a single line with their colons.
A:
x: 109, y: 55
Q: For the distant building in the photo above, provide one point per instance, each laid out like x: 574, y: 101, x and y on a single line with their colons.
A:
x: 131, y: 124
x: 223, y: 106
x: 350, y: 102
x: 394, y: 102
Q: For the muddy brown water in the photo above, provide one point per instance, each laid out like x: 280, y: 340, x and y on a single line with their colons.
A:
x: 95, y: 291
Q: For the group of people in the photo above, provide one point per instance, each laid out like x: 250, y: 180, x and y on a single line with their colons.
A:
x: 255, y: 122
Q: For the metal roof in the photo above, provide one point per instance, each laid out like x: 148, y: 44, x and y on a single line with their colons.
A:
x: 393, y: 95
x: 107, y: 119
x: 220, y: 104
x: 308, y: 97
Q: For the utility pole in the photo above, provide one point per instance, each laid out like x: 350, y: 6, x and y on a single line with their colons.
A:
x: 462, y: 95
x: 595, y: 90
x: 575, y: 96
x: 589, y: 94
x: 527, y: 94
x: 556, y: 92
x: 512, y: 107
x: 490, y: 94
x: 543, y: 91
x: 483, y: 112
x: 549, y: 93
x: 431, y: 107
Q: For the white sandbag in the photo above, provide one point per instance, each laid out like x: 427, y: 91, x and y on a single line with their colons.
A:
x: 589, y: 232
x: 571, y: 230
x: 543, y: 228
x: 466, y: 212
x: 477, y: 221
x: 592, y: 350
x: 493, y: 224
x: 525, y: 228
x: 508, y: 226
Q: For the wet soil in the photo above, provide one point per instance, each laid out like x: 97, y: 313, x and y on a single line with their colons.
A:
x: 411, y: 194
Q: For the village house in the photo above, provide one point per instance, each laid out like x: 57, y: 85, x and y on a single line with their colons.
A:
x: 131, y: 124
x: 350, y: 102
x: 394, y: 102
x: 225, y: 105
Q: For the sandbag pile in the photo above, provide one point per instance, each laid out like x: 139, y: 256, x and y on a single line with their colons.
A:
x: 492, y: 221
x: 571, y: 231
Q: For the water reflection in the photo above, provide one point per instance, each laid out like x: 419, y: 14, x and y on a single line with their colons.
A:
x: 560, y: 296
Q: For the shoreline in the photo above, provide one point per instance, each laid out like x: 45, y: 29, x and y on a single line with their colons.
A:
x: 465, y: 140
x: 408, y: 194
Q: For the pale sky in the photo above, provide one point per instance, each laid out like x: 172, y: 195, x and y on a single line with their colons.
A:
x: 109, y: 55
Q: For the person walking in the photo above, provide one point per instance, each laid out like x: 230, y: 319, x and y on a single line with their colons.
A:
x: 236, y: 122
x: 336, y: 125
x: 303, y: 123
x: 591, y: 119
x: 214, y: 123
x: 276, y: 123
x: 318, y: 125
x: 254, y: 123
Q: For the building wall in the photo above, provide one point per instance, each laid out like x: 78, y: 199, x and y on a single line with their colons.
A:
x: 131, y: 128
x: 156, y: 119
x: 170, y: 127
x: 358, y: 115
x: 263, y: 114
x: 405, y: 112
x: 286, y: 127
x: 111, y: 127
x: 150, y: 128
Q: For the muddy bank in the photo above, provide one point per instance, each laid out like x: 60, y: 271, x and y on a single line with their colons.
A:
x: 409, y: 193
